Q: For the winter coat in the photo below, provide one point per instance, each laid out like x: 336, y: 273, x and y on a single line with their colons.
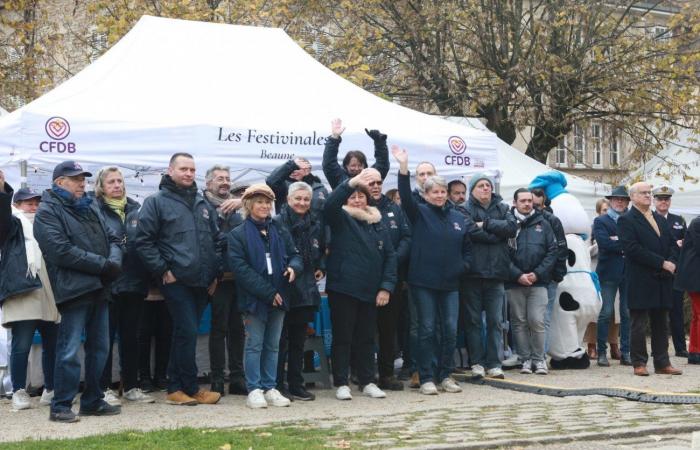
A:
x: 648, y: 285
x: 335, y: 174
x: 688, y: 271
x: 677, y: 225
x: 178, y: 236
x: 279, y: 182
x: 535, y: 250
x: 441, y: 245
x: 362, y: 260
x: 225, y: 224
x: 304, y: 290
x: 559, y: 269
x: 396, y: 223
x: 611, y: 258
x: 76, y: 247
x: 490, y: 256
x: 254, y: 289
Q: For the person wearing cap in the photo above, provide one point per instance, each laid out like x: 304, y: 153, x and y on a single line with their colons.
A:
x: 26, y: 296
x: 354, y: 161
x: 688, y: 279
x: 83, y: 257
x: 294, y: 170
x: 610, y: 271
x: 662, y: 202
x: 178, y: 240
x: 483, y: 285
x: 264, y: 260
x: 650, y: 262
x: 226, y: 321
x: 120, y: 214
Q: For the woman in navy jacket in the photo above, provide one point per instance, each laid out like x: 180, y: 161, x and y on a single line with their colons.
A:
x: 440, y: 254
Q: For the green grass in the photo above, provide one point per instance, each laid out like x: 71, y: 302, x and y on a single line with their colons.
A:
x: 190, y: 438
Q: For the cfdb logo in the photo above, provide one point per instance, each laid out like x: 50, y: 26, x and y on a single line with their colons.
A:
x: 57, y: 128
x: 457, y: 147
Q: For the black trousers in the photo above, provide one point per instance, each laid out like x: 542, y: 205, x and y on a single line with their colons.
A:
x: 353, y: 323
x: 155, y: 324
x: 677, y: 322
x: 658, y: 320
x: 291, y: 349
x: 387, y: 325
x: 226, y: 333
x: 125, y: 313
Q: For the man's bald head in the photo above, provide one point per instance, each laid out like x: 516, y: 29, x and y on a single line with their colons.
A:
x: 640, y: 195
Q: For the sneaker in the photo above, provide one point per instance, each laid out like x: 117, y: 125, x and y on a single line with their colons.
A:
x: 478, y: 371
x: 146, y: 385
x: 180, y: 398
x: 428, y: 388
x: 256, y: 399
x: 343, y: 393
x: 136, y: 395
x: 495, y: 372
x: 275, y: 398
x: 527, y: 367
x: 21, y: 400
x: 46, y: 398
x: 300, y: 393
x: 372, y: 390
x: 67, y: 416
x: 450, y: 385
x: 206, y: 397
x: 104, y: 409
x: 541, y: 367
x: 161, y: 384
x: 111, y: 398
x: 285, y: 393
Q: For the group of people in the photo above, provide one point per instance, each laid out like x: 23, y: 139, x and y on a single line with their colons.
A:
x: 413, y: 269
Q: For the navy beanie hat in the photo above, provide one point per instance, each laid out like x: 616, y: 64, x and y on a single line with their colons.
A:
x: 478, y: 177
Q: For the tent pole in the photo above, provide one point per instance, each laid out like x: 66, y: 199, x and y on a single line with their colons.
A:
x: 23, y: 173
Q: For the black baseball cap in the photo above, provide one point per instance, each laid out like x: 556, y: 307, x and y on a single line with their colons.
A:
x: 25, y: 194
x: 69, y: 169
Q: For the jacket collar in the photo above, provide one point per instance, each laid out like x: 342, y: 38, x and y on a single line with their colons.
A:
x: 369, y: 214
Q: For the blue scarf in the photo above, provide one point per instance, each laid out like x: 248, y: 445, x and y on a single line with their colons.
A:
x: 614, y: 215
x: 82, y: 204
x: 256, y: 252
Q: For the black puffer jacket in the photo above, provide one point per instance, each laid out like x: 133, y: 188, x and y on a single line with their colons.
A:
x: 533, y: 250
x: 13, y: 254
x: 134, y: 277
x: 76, y: 247
x: 176, y: 235
x: 490, y: 255
x: 279, y: 182
x: 304, y: 290
x: 335, y: 174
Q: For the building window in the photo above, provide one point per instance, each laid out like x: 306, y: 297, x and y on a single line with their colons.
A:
x: 560, y: 153
x: 596, y: 144
x: 579, y: 146
x: 614, y: 151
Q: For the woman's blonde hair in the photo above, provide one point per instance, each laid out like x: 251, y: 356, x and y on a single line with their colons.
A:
x: 599, y: 205
x: 101, y: 175
x: 247, y: 204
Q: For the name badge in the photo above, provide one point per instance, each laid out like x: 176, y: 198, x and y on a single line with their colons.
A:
x: 390, y: 214
x: 614, y: 238
x: 269, y: 263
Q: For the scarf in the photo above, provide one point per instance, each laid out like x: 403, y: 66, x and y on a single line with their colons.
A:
x: 256, y: 252
x: 300, y: 229
x: 614, y: 215
x: 188, y: 194
x: 31, y: 246
x: 217, y: 202
x: 82, y: 204
x: 522, y: 217
x: 650, y: 218
x: 118, y: 205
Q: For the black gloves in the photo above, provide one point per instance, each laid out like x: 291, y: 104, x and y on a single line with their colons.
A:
x: 111, y: 271
x: 375, y: 134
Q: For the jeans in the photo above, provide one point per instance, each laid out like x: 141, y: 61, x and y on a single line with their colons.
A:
x: 186, y: 305
x: 436, y: 309
x: 409, y: 357
x: 484, y: 295
x: 88, y: 313
x: 125, y: 313
x: 155, y: 323
x: 226, y: 334
x: 551, y: 298
x: 677, y: 322
x: 658, y: 321
x: 608, y: 289
x: 261, y: 349
x: 22, y: 337
x: 527, y: 310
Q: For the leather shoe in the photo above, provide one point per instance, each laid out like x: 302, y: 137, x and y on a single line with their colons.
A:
x: 668, y: 370
x: 603, y: 360
x: 682, y: 354
x: 625, y: 360
x: 206, y: 397
x: 592, y: 352
x: 218, y: 386
x: 615, y: 351
x: 641, y: 371
x: 390, y: 384
x: 104, y: 409
x: 415, y: 381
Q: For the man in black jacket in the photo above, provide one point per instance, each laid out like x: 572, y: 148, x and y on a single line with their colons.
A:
x: 178, y: 239
x: 82, y: 257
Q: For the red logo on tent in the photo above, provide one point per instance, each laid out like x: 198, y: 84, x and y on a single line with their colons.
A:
x: 57, y: 128
x: 457, y: 145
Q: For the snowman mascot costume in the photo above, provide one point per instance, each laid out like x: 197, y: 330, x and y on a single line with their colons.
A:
x: 577, y: 301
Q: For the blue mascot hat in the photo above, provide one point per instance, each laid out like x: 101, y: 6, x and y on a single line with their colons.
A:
x: 553, y: 183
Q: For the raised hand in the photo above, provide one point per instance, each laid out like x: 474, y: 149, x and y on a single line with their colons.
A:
x: 400, y: 154
x: 375, y: 134
x: 337, y: 128
x: 364, y: 178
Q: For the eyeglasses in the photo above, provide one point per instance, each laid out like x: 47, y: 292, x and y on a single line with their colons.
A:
x: 375, y: 183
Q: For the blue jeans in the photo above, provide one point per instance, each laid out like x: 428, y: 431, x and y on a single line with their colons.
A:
x: 551, y: 297
x: 22, y: 337
x: 608, y: 289
x: 89, y: 313
x: 261, y: 349
x: 484, y: 295
x: 186, y: 305
x: 436, y: 310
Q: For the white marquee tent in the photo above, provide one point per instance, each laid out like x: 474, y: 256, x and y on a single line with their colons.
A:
x: 248, y: 97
